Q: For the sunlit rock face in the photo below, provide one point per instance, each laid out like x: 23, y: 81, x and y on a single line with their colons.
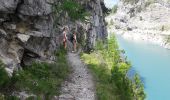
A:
x: 30, y: 31
x: 143, y: 20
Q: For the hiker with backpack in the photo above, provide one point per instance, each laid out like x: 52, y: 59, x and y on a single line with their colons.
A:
x: 74, y: 41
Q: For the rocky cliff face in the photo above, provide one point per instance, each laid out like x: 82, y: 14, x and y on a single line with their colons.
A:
x: 143, y: 20
x: 29, y: 31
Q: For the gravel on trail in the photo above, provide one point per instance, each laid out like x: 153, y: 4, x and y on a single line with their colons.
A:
x: 80, y: 84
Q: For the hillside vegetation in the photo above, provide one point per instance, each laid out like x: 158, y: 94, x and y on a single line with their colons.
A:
x: 111, y: 73
x: 40, y: 80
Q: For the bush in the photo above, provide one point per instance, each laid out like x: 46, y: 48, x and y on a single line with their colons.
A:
x: 149, y: 2
x: 74, y: 10
x: 114, y: 9
x: 167, y: 38
x: 4, y: 78
x: 43, y: 78
x: 110, y: 72
x: 111, y: 22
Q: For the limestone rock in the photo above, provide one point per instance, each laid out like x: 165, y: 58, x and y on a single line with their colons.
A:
x: 10, y: 26
x: 10, y: 54
x: 35, y: 7
x: 35, y: 34
x: 2, y: 32
x: 29, y: 30
x: 8, y: 6
x: 24, y: 38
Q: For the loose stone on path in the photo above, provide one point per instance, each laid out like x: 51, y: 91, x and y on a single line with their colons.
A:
x: 80, y: 85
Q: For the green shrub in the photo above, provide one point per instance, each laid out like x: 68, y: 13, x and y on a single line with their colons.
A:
x: 43, y: 78
x: 167, y: 38
x: 11, y: 98
x: 110, y: 73
x: 114, y: 9
x: 111, y: 22
x: 149, y: 2
x: 4, y: 78
x: 74, y: 10
x: 1, y: 96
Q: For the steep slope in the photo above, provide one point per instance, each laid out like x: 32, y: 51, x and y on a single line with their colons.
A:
x: 30, y: 31
x: 146, y: 20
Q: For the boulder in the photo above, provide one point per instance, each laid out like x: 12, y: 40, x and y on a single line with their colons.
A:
x: 24, y: 38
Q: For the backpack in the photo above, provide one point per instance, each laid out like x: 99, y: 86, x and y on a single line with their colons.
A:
x: 71, y: 37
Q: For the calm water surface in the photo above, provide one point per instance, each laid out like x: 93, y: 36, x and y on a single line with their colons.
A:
x: 152, y: 62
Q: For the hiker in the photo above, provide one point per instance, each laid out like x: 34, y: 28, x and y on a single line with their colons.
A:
x: 74, y: 41
x: 65, y: 30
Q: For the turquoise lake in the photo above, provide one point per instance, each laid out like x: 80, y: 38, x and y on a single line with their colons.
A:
x: 152, y: 63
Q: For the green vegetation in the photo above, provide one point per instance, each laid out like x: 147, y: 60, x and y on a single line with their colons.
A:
x: 165, y: 27
x: 41, y: 79
x: 114, y: 9
x: 4, y: 78
x: 73, y: 9
x: 167, y: 38
x: 148, y: 2
x: 111, y: 22
x: 110, y: 72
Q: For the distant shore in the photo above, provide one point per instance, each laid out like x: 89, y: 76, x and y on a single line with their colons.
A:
x: 144, y: 35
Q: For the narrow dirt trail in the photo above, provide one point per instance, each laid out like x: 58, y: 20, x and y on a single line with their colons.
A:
x: 80, y: 85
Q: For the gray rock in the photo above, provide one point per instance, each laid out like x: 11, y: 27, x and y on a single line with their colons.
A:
x: 35, y: 34
x: 28, y: 31
x: 8, y: 6
x: 66, y: 97
x: 2, y: 32
x: 24, y: 38
x: 10, y: 54
x: 4, y: 17
x: 35, y: 7
x: 10, y: 26
x: 45, y: 25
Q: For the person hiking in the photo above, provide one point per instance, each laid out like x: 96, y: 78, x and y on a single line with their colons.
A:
x: 65, y: 30
x: 74, y: 41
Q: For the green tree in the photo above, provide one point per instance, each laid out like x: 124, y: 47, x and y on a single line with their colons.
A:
x: 72, y: 8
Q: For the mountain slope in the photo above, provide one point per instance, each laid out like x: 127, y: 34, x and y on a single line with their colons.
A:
x: 143, y: 20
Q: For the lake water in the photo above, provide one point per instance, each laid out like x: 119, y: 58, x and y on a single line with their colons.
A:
x: 152, y: 62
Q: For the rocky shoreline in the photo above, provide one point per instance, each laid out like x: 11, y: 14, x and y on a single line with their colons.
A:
x: 144, y: 36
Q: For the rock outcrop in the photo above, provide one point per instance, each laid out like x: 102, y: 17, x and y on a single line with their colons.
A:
x: 146, y: 20
x: 29, y: 30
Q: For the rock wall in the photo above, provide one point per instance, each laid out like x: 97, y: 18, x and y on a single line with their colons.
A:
x: 29, y: 31
x: 146, y: 20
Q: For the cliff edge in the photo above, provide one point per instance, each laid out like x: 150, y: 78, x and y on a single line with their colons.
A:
x: 30, y: 30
